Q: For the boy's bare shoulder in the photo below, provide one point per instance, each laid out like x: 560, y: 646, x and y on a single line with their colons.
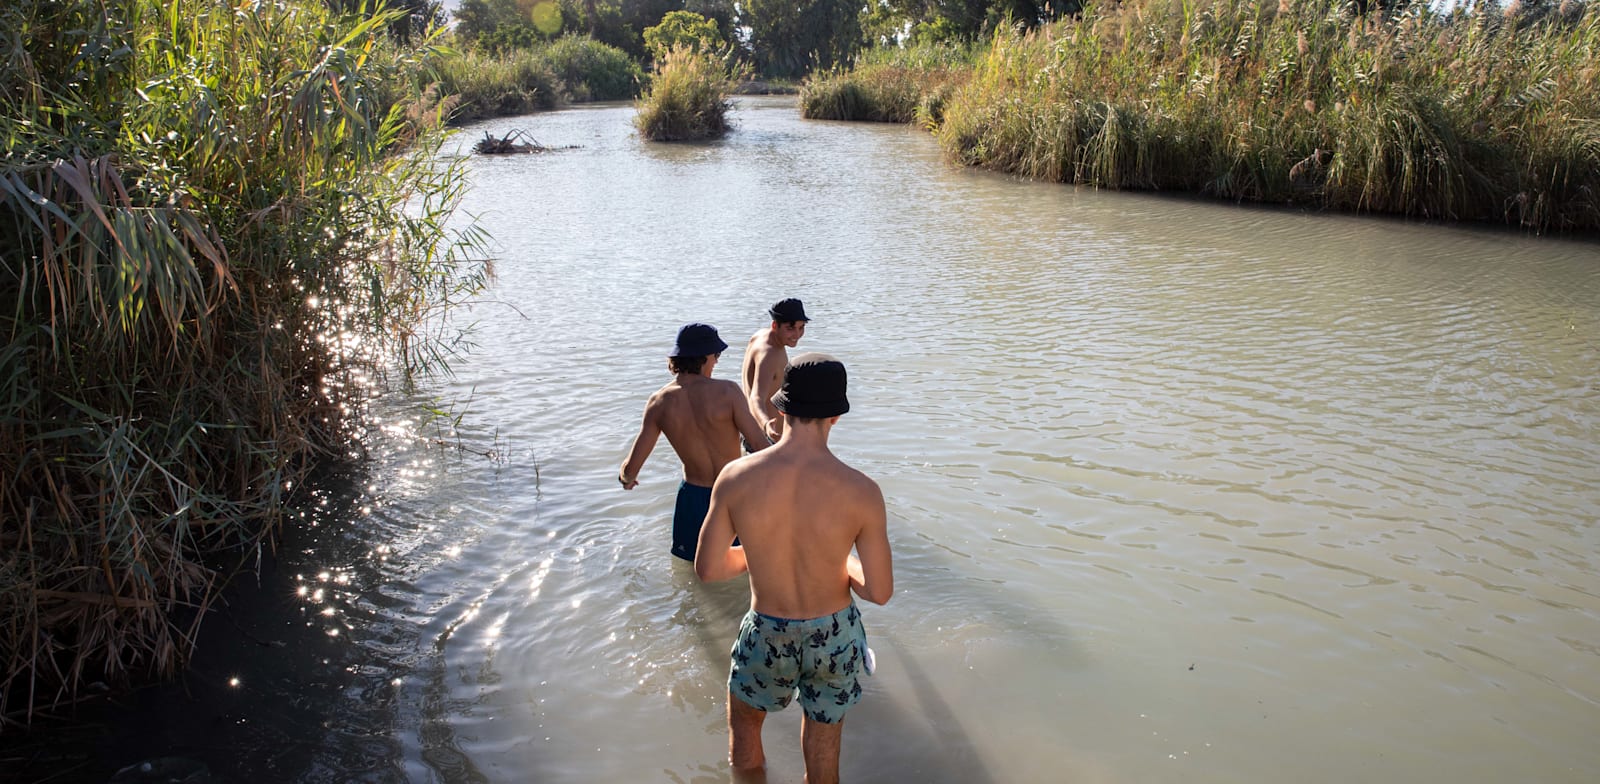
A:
x: 723, y: 393
x: 842, y: 480
x: 861, y: 483
x: 745, y: 471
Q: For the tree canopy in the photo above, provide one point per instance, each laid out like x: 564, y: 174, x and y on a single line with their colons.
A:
x: 780, y: 38
x: 683, y: 29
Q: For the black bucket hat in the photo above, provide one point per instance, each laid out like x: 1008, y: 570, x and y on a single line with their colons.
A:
x: 698, y: 340
x: 788, y: 310
x: 813, y: 387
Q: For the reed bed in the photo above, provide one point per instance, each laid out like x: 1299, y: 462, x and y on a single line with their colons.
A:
x: 1487, y: 116
x: 687, y: 99
x: 889, y: 85
x: 210, y: 246
x: 472, y: 85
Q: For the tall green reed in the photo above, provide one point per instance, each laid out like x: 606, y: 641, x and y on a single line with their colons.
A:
x: 210, y: 241
x: 889, y: 84
x: 1482, y: 116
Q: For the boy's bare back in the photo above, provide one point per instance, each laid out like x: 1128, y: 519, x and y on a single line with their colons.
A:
x: 799, y: 513
x: 701, y: 418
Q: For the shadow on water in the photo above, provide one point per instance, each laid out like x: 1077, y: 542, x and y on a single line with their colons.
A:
x: 262, y: 697
x: 928, y: 736
x: 439, y: 749
x: 922, y: 735
x: 304, y: 673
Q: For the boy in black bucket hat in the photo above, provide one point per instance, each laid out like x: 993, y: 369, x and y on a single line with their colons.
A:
x: 798, y: 511
x: 703, y: 419
x: 765, y: 357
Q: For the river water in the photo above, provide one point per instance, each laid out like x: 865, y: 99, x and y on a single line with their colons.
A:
x: 1178, y: 491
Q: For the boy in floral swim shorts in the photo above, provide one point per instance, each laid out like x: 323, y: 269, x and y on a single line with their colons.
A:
x: 798, y: 512
x: 820, y: 657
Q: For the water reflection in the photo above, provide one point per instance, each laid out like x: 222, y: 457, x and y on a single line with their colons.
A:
x: 258, y: 701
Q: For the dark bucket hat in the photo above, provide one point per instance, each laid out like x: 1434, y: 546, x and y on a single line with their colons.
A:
x: 698, y: 340
x: 813, y: 387
x: 788, y: 310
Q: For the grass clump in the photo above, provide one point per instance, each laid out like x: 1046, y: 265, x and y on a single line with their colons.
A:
x: 210, y: 245
x: 687, y: 99
x: 889, y: 85
x: 471, y: 85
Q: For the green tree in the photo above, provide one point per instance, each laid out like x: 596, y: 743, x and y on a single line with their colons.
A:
x: 956, y: 21
x: 719, y: 11
x: 683, y: 29
x: 496, y: 25
x: 499, y: 25
x: 602, y: 21
x: 789, y: 39
x: 620, y: 23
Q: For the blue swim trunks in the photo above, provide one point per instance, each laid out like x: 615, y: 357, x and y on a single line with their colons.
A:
x: 693, y: 503
x: 821, y: 657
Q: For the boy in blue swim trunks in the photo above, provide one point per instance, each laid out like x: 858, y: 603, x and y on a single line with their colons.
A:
x: 703, y: 419
x: 798, y: 511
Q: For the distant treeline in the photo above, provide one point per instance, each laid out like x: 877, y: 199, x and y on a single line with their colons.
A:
x: 781, y: 39
x: 1489, y: 115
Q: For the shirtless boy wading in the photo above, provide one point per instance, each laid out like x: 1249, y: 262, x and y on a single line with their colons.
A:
x: 703, y: 419
x: 798, y: 511
x: 765, y: 357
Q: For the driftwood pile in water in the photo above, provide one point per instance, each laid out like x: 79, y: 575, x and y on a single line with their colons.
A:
x: 515, y: 141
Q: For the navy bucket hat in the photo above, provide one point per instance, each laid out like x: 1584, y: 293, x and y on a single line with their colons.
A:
x: 788, y: 310
x: 813, y: 387
x: 697, y: 340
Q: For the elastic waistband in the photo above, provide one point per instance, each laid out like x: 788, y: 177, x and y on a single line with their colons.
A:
x: 824, y: 620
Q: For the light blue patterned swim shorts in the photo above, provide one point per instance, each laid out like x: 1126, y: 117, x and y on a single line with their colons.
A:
x: 820, y: 657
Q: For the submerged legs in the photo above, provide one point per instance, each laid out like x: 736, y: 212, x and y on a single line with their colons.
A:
x: 744, y: 736
x: 821, y: 745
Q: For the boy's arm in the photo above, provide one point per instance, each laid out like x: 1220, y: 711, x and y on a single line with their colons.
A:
x: 768, y: 379
x: 754, y: 435
x: 872, y: 573
x: 649, y: 433
x: 715, y: 557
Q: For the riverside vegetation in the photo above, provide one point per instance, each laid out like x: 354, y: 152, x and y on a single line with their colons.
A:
x: 899, y: 85
x: 474, y: 84
x: 223, y: 227
x: 687, y: 99
x: 1490, y: 115
x: 220, y: 229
